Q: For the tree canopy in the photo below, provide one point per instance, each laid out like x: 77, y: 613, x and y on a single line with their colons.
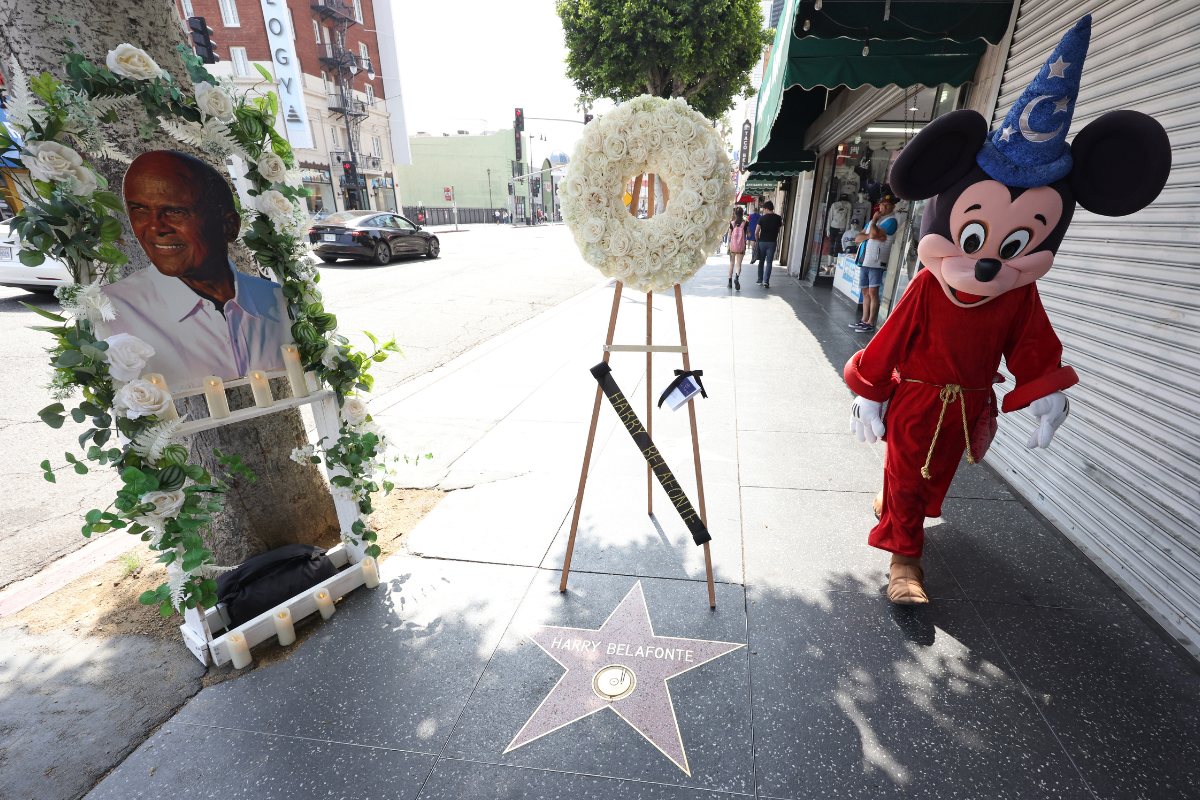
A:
x: 701, y: 50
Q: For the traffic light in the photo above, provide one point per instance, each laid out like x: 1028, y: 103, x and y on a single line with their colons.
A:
x: 518, y: 135
x: 535, y: 186
x: 519, y: 121
x: 351, y: 173
x: 202, y: 41
x: 510, y: 187
x: 588, y: 118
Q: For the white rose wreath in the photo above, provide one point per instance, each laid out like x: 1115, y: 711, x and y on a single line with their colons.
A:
x: 668, y: 139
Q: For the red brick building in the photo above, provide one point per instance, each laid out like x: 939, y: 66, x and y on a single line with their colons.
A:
x: 339, y: 93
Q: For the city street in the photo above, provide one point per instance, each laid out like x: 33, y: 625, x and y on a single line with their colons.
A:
x: 488, y: 279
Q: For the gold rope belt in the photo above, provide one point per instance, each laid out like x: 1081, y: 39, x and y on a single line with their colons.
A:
x: 947, y: 395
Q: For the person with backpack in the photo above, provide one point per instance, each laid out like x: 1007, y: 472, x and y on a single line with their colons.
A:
x: 737, y: 248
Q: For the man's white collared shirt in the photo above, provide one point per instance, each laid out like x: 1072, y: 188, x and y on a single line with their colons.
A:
x: 191, y: 337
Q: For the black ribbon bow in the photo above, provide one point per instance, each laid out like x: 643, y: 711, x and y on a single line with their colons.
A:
x: 680, y: 374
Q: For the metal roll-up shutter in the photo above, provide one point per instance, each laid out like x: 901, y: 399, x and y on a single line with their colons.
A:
x: 1122, y: 478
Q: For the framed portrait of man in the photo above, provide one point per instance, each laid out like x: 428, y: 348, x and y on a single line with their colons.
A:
x: 201, y: 316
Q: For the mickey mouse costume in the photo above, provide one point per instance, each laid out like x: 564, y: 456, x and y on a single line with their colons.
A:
x: 1001, y: 204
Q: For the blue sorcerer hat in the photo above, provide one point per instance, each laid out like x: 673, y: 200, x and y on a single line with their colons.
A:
x: 1030, y: 149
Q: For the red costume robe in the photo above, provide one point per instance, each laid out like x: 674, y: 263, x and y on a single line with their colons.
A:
x: 927, y: 343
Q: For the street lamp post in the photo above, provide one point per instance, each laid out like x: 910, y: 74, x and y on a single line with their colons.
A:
x: 489, y: 187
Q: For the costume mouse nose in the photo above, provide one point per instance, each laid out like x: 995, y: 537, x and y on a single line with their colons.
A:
x: 986, y: 269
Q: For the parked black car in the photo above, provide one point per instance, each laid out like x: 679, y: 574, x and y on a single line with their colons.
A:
x: 374, y: 235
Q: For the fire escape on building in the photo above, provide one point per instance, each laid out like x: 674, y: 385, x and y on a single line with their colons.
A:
x: 342, y: 104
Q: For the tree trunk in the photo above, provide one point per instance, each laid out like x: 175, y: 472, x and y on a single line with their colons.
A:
x: 288, y: 503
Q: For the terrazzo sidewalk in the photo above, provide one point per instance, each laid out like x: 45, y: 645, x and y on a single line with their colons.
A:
x: 1028, y: 675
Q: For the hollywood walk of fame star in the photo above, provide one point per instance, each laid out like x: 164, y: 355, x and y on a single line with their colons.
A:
x: 1007, y: 133
x: 1058, y: 68
x: 1060, y: 105
x: 627, y: 642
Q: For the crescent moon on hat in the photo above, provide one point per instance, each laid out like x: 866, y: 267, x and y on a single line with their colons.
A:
x: 1028, y: 132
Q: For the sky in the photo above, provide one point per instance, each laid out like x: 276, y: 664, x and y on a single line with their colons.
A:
x: 466, y: 64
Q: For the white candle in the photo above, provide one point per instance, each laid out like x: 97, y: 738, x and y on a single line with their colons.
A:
x: 214, y: 393
x: 324, y: 603
x: 370, y: 572
x: 261, y: 388
x: 284, y: 628
x: 161, y: 383
x: 295, y: 370
x: 239, y: 651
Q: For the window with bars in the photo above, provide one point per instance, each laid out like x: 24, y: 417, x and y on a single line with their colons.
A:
x: 241, y: 64
x: 364, y: 53
x: 229, y: 13
x: 377, y: 146
x: 358, y: 17
x: 316, y: 31
x: 370, y: 94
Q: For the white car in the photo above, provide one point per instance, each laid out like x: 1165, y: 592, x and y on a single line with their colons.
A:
x: 44, y: 278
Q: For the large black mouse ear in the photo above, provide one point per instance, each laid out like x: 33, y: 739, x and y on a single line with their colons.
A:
x: 1121, y: 162
x: 939, y: 156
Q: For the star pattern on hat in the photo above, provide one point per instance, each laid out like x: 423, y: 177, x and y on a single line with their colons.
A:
x: 1058, y: 68
x: 1006, y: 133
x: 1060, y: 105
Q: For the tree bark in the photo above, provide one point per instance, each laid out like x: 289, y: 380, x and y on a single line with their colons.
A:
x: 289, y: 503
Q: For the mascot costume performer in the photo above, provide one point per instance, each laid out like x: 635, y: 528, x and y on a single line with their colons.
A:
x: 1000, y: 206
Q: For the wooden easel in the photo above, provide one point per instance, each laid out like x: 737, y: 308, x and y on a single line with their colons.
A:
x: 649, y: 349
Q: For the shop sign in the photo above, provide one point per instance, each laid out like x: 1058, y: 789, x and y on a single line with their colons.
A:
x: 744, y: 156
x: 315, y: 175
x: 287, y: 73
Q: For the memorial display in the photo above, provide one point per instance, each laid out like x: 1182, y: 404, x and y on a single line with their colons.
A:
x: 1001, y: 205
x: 190, y: 324
x: 661, y: 137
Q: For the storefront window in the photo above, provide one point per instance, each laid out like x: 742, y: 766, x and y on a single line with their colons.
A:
x: 903, y: 265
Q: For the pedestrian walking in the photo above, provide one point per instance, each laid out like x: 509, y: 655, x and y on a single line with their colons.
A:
x: 768, y: 235
x: 737, y: 248
x: 751, y: 231
x: 496, y: 217
x: 875, y: 246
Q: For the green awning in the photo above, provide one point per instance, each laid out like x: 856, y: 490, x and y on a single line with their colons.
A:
x: 926, y: 20
x: 802, y: 68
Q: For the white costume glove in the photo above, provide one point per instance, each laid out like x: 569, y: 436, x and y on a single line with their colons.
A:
x: 1051, y: 411
x: 867, y: 419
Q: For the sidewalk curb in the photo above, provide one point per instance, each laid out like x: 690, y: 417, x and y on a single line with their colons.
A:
x: 24, y: 593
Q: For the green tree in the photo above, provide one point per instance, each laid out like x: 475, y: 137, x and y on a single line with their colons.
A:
x: 701, y: 50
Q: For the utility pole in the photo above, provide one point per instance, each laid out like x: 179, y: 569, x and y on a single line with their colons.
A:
x: 489, y: 188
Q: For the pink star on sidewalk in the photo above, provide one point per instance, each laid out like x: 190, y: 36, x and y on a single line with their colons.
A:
x: 623, y: 666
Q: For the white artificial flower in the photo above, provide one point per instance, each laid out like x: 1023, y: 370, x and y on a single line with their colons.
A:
x: 214, y: 101
x: 595, y: 201
x: 615, y: 146
x: 132, y: 62
x: 166, y: 504
x: 690, y: 200
x: 672, y: 139
x: 704, y: 160
x: 354, y: 411
x: 90, y: 298
x: 276, y: 205
x: 329, y: 357
x: 574, y: 186
x: 654, y: 138
x: 620, y: 243
x: 303, y: 455
x: 142, y: 398
x: 272, y: 168
x: 127, y: 355
x: 592, y: 230
x: 636, y: 144
x: 593, y: 138
x: 665, y: 117
x: 54, y: 162
x: 677, y: 162
x: 712, y: 190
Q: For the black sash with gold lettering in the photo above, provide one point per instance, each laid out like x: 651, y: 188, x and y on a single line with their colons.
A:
x: 602, y: 372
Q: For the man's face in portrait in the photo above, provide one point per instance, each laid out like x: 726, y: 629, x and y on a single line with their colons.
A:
x: 180, y: 232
